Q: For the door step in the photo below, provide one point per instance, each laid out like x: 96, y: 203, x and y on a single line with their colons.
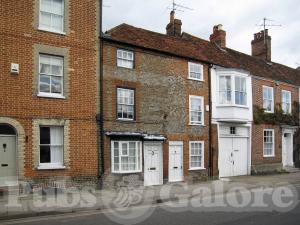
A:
x: 291, y: 169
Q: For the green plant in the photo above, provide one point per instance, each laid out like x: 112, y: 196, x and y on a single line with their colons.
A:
x: 278, y: 117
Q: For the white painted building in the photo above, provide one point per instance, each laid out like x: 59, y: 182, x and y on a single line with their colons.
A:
x: 231, y: 93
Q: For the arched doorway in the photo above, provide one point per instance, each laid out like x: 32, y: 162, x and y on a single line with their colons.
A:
x: 8, y: 155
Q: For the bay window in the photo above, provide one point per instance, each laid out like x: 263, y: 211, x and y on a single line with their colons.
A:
x: 126, y: 156
x: 232, y: 90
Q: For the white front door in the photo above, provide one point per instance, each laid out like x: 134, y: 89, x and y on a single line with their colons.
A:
x: 287, y: 150
x: 233, y: 156
x: 175, y: 161
x: 8, y: 170
x: 153, y: 174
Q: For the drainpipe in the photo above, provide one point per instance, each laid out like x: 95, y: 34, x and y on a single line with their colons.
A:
x: 100, y: 118
x: 210, y: 164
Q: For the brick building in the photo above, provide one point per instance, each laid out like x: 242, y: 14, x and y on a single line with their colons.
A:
x: 48, y: 78
x: 156, y: 100
x: 151, y: 67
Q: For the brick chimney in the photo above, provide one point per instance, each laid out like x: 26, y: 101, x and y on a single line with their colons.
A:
x: 218, y: 36
x: 261, y: 45
x: 174, y: 27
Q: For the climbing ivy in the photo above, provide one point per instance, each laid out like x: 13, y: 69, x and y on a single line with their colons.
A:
x: 278, y: 117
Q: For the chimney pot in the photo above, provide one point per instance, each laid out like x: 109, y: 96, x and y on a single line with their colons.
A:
x: 218, y: 36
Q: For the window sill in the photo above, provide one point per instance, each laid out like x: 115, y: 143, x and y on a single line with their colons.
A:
x: 269, y: 156
x: 125, y: 120
x: 268, y: 111
x: 127, y: 172
x: 230, y: 105
x: 194, y: 124
x: 198, y: 168
x: 194, y: 79
x: 52, y: 31
x: 51, y: 167
x: 123, y: 67
x: 42, y: 95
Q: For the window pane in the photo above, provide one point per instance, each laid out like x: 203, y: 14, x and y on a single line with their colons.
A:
x: 56, y: 85
x: 124, y: 149
x: 46, y: 5
x: 44, y: 69
x: 56, y: 154
x: 57, y: 22
x: 45, y: 83
x: 195, y: 104
x: 56, y: 135
x: 57, y: 70
x: 46, y: 20
x: 45, y: 155
x: 44, y: 135
x: 57, y: 7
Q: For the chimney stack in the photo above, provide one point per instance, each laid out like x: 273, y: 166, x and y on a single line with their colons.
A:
x: 218, y: 36
x: 261, y: 45
x: 174, y: 27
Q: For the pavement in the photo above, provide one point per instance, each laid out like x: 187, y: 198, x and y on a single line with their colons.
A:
x: 75, y: 201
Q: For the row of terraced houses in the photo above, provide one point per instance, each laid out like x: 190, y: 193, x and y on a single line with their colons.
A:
x: 96, y: 107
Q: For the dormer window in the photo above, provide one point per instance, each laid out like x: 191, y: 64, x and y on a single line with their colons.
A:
x: 125, y: 59
x: 195, y: 71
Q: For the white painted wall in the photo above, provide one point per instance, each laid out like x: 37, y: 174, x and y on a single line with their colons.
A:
x: 230, y: 113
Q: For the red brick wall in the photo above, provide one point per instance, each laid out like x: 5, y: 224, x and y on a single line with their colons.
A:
x: 18, y: 35
x: 257, y: 129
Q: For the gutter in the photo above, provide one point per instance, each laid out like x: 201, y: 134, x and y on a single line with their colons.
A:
x: 210, y: 160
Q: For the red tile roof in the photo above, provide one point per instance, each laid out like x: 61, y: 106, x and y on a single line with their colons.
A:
x: 192, y: 47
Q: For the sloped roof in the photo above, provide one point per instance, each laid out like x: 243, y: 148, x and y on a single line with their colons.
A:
x: 192, y: 47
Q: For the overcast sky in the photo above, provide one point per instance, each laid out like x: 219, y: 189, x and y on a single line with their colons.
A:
x: 239, y: 19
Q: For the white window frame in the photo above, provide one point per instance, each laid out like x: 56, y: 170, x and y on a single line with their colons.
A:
x: 290, y: 101
x: 273, y: 144
x: 132, y: 105
x: 49, y: 94
x: 272, y: 104
x: 232, y: 91
x: 40, y: 27
x: 51, y: 165
x: 125, y: 59
x: 190, y: 64
x: 201, y: 154
x: 235, y: 90
x: 196, y: 123
x: 138, y: 145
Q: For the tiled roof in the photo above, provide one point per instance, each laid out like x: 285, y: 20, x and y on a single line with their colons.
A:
x: 192, y: 47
